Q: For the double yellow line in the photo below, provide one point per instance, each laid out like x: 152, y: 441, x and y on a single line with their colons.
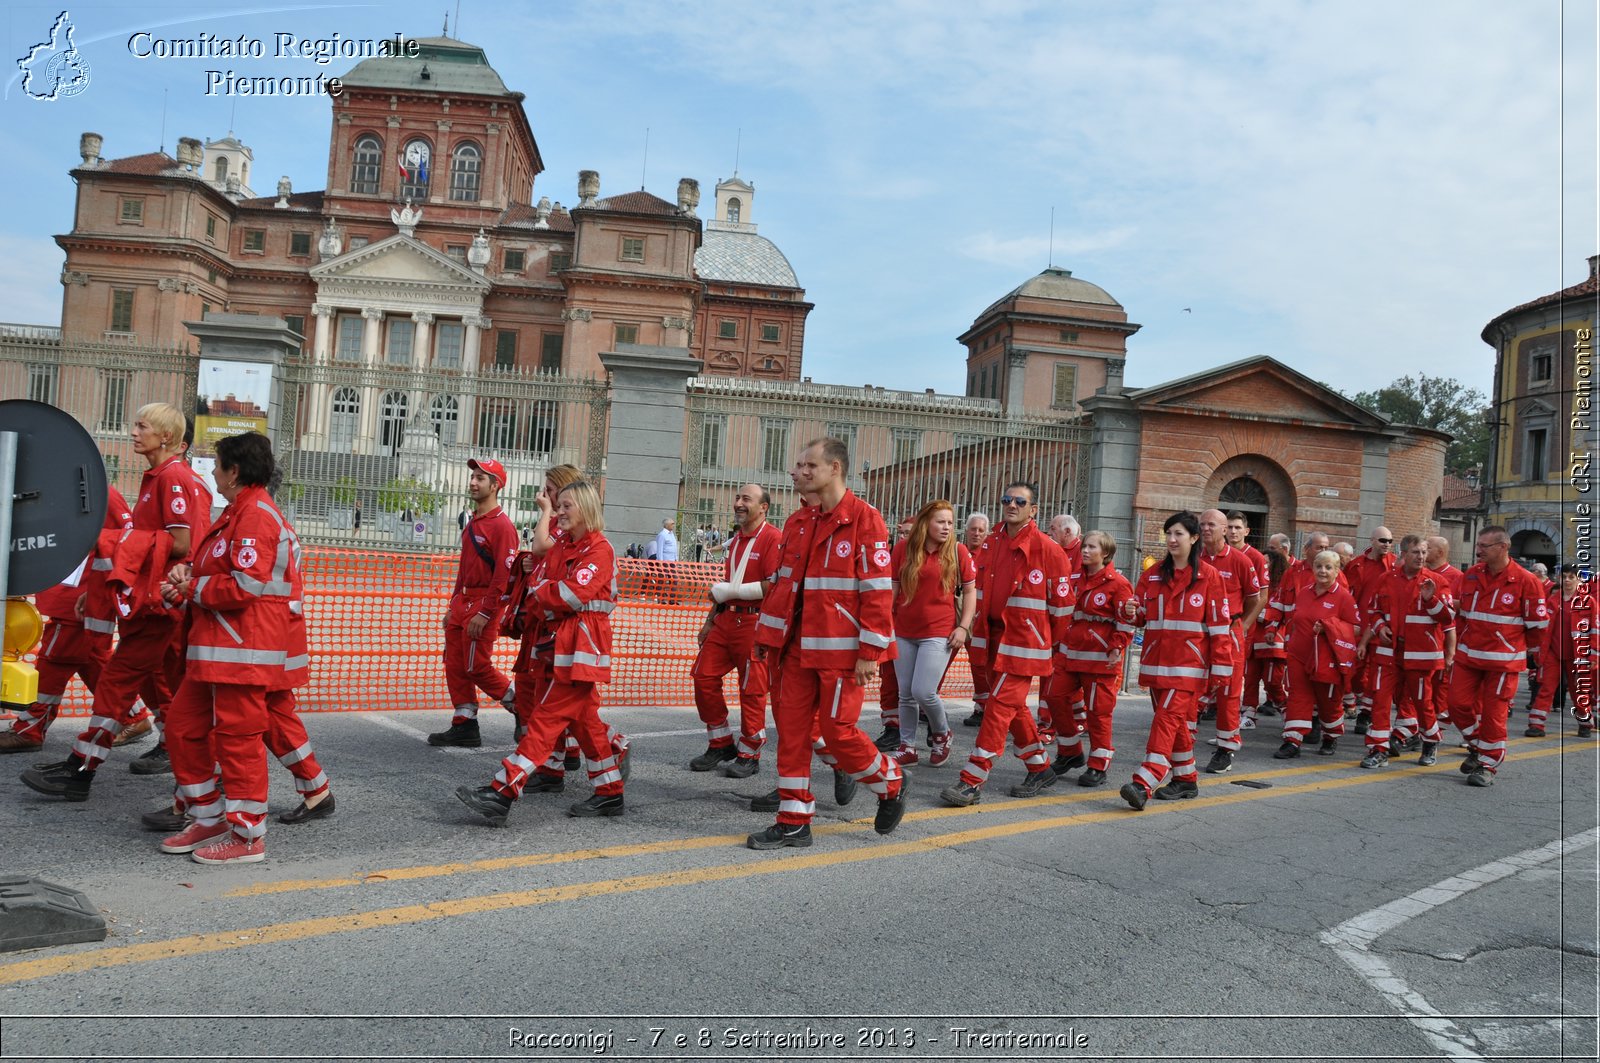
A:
x: 222, y: 941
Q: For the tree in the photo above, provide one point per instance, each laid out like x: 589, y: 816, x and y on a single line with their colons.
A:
x: 1443, y: 403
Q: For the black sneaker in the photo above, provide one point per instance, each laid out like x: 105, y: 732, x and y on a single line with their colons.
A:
x: 1221, y: 762
x: 961, y: 794
x: 1179, y: 790
x: 1363, y: 718
x: 572, y: 762
x: 889, y: 741
x: 891, y: 810
x: 1471, y: 764
x: 1412, y: 744
x: 153, y: 761
x: 1481, y: 777
x: 486, y: 802
x: 610, y: 805
x: 1375, y: 758
x: 1135, y: 795
x: 540, y: 783
x: 464, y: 734
x: 1533, y: 731
x: 766, y: 802
x: 975, y: 720
x: 780, y: 835
x: 1329, y: 746
x: 1396, y: 746
x: 64, y: 780
x: 1585, y: 728
x: 740, y: 767
x: 164, y: 821
x: 1430, y: 754
x: 1207, y: 715
x: 1315, y: 734
x: 1288, y: 751
x: 844, y: 788
x: 1270, y: 709
x: 712, y: 757
x: 1034, y: 783
x: 1064, y: 763
x: 1092, y: 777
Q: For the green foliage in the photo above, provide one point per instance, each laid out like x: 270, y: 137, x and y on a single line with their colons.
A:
x: 343, y: 491
x: 1443, y: 403
x: 407, y: 494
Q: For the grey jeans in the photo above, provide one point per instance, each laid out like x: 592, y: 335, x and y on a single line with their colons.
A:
x: 919, y: 668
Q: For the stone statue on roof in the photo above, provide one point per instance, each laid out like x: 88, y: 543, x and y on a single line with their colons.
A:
x: 406, y: 218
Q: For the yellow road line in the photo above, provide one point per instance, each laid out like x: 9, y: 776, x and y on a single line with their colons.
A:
x: 612, y: 852
x: 222, y: 941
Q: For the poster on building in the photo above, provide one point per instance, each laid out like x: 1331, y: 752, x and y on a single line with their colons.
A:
x: 233, y: 397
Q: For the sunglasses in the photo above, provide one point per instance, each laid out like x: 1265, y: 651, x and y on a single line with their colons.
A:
x: 1015, y: 500
x: 1386, y: 540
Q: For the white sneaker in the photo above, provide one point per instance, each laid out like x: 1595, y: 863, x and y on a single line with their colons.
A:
x: 1247, y: 723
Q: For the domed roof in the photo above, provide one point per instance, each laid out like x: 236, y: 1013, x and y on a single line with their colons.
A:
x: 743, y: 258
x: 452, y: 65
x: 1058, y: 283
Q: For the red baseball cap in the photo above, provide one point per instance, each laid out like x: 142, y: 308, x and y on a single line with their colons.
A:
x: 490, y: 466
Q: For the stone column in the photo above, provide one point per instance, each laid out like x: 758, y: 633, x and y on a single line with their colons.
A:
x: 1113, y: 471
x: 472, y: 342
x: 1016, y: 368
x: 314, y: 418
x: 321, y: 350
x: 644, y: 448
x: 419, y: 355
x: 371, y: 344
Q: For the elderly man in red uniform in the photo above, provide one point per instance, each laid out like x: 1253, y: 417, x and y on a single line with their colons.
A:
x: 828, y: 624
x: 1241, y: 581
x: 1024, y: 607
x: 1365, y: 572
x: 728, y: 636
x: 167, y: 519
x: 472, y: 621
x: 1408, y: 620
x: 1502, y: 616
x: 1449, y: 577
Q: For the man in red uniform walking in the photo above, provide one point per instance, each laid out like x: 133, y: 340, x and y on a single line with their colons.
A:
x: 831, y: 626
x: 472, y: 621
x: 1448, y: 577
x: 728, y: 636
x: 1409, y: 616
x: 1501, y: 617
x: 1241, y: 582
x: 1365, y: 572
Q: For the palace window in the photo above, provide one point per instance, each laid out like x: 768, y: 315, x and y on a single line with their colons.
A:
x: 1065, y: 394
x: 346, y: 412
x: 632, y: 249
x: 401, y: 334
x: 466, y: 172
x: 445, y: 413
x: 415, y: 159
x: 122, y: 310
x: 351, y: 328
x: 550, y: 352
x: 770, y: 333
x: 299, y: 244
x: 114, y: 402
x: 514, y: 259
x: 132, y: 212
x: 448, y: 352
x: 367, y: 165
x: 624, y: 333
x: 255, y: 239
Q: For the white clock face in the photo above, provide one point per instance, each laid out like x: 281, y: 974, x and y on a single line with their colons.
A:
x: 416, y: 154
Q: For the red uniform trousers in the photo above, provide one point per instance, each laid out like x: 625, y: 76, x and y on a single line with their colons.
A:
x: 1061, y: 712
x: 1412, y: 692
x: 1580, y: 688
x: 980, y: 680
x: 1231, y: 695
x: 140, y: 665
x: 560, y: 706
x: 1098, y: 695
x: 1269, y: 672
x: 1362, y: 682
x: 1170, y: 746
x: 1006, y: 711
x: 1308, y: 697
x: 816, y: 712
x: 1441, y: 695
x: 287, y: 740
x: 727, y: 649
x: 888, y: 694
x: 469, y: 668
x: 1480, y: 702
x: 212, y: 726
x: 529, y: 687
x: 67, y: 650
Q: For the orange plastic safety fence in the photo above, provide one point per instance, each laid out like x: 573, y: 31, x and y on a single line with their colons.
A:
x: 377, y: 642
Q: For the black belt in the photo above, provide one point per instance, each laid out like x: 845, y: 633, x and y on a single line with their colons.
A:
x: 742, y: 608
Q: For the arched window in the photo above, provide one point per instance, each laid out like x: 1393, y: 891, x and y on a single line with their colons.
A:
x: 735, y: 209
x: 416, y: 159
x: 446, y: 415
x: 222, y: 170
x: 346, y: 413
x: 466, y: 172
x: 366, y: 165
x: 244, y: 173
x: 392, y: 426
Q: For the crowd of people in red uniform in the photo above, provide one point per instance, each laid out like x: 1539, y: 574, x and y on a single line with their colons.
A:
x: 212, y: 641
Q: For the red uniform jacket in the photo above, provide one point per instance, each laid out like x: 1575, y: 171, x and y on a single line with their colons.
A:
x: 577, y: 592
x: 244, y: 578
x: 760, y: 559
x: 1187, y: 645
x: 1329, y: 655
x: 99, y: 614
x: 1418, y: 628
x: 488, y: 549
x: 842, y: 576
x: 1365, y: 575
x: 1037, y: 599
x: 1500, y: 618
x: 1099, y: 631
x: 139, y: 563
x: 1573, y: 626
x: 778, y: 604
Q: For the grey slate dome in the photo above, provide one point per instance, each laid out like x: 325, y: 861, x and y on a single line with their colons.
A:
x: 1059, y: 284
x: 453, y: 67
x: 742, y: 258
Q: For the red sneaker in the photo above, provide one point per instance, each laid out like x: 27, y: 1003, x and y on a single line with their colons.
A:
x: 231, y: 850
x: 194, y: 836
x: 905, y: 756
x: 940, y: 751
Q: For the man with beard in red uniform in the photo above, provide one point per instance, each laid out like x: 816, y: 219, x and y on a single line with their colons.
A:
x: 1502, y: 617
x: 835, y: 624
x: 1409, y: 616
x: 728, y: 636
x: 1365, y: 572
x: 472, y: 620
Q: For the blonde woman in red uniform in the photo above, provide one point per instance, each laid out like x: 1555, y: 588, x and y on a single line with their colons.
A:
x: 1089, y: 664
x: 1319, y: 615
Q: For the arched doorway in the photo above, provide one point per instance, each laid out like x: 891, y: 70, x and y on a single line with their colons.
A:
x: 1259, y: 488
x: 1531, y: 544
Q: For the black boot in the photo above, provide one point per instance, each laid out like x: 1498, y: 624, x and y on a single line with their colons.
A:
x: 66, y: 780
x: 464, y: 733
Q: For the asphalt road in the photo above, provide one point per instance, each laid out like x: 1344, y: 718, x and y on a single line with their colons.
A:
x: 1335, y: 914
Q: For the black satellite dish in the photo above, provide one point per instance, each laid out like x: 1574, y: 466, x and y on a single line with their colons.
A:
x: 60, y: 499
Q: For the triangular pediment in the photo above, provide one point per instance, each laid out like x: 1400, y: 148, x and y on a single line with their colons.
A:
x: 399, y: 260
x: 1261, y: 387
x: 1533, y: 409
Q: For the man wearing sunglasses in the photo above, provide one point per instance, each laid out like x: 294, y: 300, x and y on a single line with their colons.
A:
x: 1366, y: 573
x: 1024, y: 606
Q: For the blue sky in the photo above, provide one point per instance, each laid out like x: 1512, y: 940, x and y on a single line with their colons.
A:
x: 1354, y: 187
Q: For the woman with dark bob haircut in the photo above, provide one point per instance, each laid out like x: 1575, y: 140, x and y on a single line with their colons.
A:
x: 241, y: 634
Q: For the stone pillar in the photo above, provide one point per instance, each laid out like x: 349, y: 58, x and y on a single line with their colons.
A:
x: 472, y: 342
x: 321, y: 347
x: 1016, y: 366
x: 250, y: 338
x: 372, y: 397
x: 1113, y: 472
x: 314, y: 416
x: 644, y: 448
x: 420, y: 355
x: 1374, y: 485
